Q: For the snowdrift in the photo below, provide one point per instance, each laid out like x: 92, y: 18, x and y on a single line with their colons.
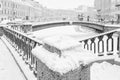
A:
x: 105, y: 71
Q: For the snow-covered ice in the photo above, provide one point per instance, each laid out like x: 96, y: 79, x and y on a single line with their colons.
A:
x: 73, y: 31
x: 9, y: 70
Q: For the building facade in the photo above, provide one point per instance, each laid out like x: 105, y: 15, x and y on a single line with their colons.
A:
x: 86, y: 13
x: 58, y: 15
x: 106, y: 8
x: 117, y: 12
x: 22, y: 9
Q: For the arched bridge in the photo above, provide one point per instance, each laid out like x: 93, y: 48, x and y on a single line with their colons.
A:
x: 96, y: 26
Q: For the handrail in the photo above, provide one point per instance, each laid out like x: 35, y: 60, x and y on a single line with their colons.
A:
x: 25, y: 35
x: 103, y: 44
x: 113, y: 31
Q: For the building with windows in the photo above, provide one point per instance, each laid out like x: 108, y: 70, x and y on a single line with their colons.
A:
x: 105, y: 8
x: 117, y: 11
x: 86, y: 12
x: 58, y: 15
x: 22, y: 9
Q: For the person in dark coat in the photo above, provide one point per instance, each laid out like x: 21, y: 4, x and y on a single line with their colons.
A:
x: 88, y: 17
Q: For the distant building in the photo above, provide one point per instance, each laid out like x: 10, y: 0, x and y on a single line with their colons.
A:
x: 105, y: 8
x: 59, y: 15
x: 11, y: 9
x: 86, y: 12
x: 117, y: 11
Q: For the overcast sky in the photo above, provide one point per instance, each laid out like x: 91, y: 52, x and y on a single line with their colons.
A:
x: 65, y: 4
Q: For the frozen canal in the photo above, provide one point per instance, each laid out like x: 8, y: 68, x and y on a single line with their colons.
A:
x: 74, y: 31
x: 8, y: 67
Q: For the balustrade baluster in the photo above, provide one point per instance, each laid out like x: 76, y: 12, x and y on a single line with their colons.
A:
x: 92, y: 45
x: 86, y: 45
x: 24, y: 48
x: 15, y: 40
x: 33, y: 44
x: 27, y: 51
x: 89, y: 45
x: 118, y: 46
x: 110, y: 44
x: 19, y: 44
x: 115, y: 43
x: 30, y: 55
x: 100, y: 46
x: 96, y: 44
x: 35, y: 69
x: 105, y: 38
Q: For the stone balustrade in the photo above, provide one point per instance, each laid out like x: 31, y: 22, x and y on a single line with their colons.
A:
x: 104, y: 44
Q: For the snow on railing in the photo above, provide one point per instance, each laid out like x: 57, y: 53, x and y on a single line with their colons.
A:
x: 103, y: 44
x: 23, y: 44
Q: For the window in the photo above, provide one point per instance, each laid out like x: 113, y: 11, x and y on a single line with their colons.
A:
x: 4, y: 3
x: 8, y: 11
x: 8, y: 4
x: 2, y: 11
x: 5, y: 11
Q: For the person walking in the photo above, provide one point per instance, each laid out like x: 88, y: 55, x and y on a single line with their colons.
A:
x: 88, y: 18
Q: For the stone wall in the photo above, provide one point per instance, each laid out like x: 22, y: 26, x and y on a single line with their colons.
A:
x: 44, y: 73
x: 81, y: 73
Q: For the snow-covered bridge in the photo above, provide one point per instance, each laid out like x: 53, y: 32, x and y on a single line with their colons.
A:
x: 106, y: 45
x: 96, y: 26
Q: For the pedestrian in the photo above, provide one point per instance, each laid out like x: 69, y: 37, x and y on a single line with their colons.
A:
x: 112, y: 21
x: 88, y: 18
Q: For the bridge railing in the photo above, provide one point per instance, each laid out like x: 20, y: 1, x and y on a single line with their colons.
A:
x: 103, y: 44
x: 23, y: 44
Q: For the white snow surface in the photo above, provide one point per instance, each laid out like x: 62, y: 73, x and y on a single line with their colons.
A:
x: 105, y: 71
x: 61, y: 42
x: 69, y: 60
x: 9, y: 70
x: 74, y: 31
